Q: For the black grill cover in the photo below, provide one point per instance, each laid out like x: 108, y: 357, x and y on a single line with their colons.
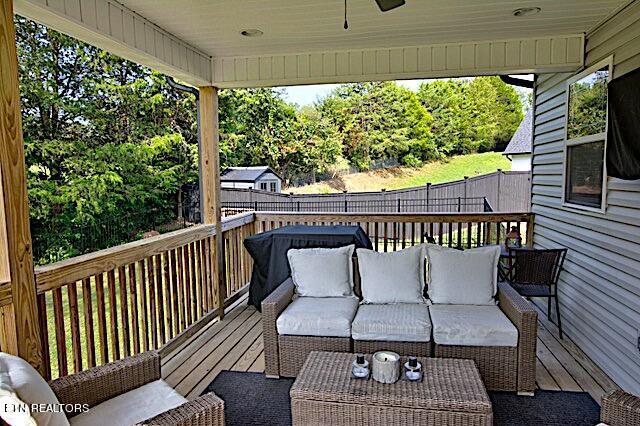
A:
x: 623, y: 139
x: 269, y: 252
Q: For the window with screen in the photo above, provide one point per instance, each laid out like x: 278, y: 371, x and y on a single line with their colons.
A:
x: 586, y: 134
x: 272, y: 187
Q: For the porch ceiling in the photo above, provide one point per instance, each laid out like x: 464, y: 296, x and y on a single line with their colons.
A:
x: 304, y: 42
x: 316, y: 25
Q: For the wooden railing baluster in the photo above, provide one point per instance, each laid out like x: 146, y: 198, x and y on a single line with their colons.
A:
x: 162, y: 326
x: 124, y: 311
x: 61, y: 338
x: 113, y: 312
x: 144, y: 309
x: 133, y: 300
x: 151, y: 285
x: 74, y: 319
x: 102, y: 319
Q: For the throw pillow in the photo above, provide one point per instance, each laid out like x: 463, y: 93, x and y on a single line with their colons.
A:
x: 463, y: 277
x: 394, y: 277
x: 322, y: 272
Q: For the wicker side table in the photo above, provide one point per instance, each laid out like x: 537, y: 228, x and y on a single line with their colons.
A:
x: 451, y: 393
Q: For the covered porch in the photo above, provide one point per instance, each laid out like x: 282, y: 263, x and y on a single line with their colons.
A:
x: 183, y: 294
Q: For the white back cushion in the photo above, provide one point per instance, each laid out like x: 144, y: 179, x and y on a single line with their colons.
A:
x: 394, y: 277
x: 463, y: 277
x: 322, y: 272
x: 19, y: 378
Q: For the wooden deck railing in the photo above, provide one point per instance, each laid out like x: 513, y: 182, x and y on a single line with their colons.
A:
x: 120, y: 301
x: 389, y: 232
x: 156, y: 292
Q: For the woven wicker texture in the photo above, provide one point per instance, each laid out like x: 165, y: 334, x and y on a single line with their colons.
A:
x: 272, y: 307
x: 497, y: 364
x: 620, y: 409
x: 525, y: 318
x: 203, y: 411
x: 501, y: 368
x: 402, y: 348
x: 452, y: 392
x: 295, y: 349
x: 104, y: 382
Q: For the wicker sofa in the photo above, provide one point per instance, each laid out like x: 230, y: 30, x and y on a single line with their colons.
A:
x: 501, y: 367
x: 103, y: 383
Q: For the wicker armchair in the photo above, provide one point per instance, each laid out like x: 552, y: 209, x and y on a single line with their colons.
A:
x: 105, y: 382
x: 620, y: 409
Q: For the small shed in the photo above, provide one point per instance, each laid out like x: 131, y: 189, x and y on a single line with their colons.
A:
x: 519, y: 149
x: 258, y: 177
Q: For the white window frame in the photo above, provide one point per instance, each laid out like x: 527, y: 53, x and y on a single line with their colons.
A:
x: 586, y: 139
x: 261, y: 183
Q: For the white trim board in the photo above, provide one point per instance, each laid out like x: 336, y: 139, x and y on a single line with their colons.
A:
x: 519, y: 56
x: 111, y: 26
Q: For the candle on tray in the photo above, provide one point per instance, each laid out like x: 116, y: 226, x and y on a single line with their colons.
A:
x: 385, y: 367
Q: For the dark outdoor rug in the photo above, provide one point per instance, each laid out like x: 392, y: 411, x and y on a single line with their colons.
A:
x: 251, y: 399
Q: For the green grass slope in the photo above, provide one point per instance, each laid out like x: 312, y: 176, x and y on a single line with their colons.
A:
x: 454, y: 168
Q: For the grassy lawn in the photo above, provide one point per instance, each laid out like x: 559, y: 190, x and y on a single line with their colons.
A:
x: 454, y: 168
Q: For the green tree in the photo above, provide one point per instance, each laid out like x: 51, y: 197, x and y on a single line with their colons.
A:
x: 379, y: 121
x: 471, y: 115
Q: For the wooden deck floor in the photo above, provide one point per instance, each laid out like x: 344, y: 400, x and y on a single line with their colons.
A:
x: 236, y: 344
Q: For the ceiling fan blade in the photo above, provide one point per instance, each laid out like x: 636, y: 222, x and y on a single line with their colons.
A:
x: 386, y: 5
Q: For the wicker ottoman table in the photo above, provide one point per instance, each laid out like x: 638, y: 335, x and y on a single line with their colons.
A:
x: 451, y: 393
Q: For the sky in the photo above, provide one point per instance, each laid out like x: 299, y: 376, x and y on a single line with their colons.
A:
x: 307, y: 95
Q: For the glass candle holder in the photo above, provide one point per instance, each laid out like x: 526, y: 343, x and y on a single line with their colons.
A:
x: 360, y: 367
x: 413, y: 369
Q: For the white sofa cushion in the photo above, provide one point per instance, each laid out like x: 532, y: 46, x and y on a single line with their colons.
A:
x: 463, y: 277
x: 401, y: 322
x: 132, y: 407
x: 322, y: 272
x: 471, y: 325
x: 21, y: 383
x: 394, y: 277
x: 318, y: 316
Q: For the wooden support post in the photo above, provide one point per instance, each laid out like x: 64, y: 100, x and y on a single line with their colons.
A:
x: 210, y: 181
x: 24, y: 333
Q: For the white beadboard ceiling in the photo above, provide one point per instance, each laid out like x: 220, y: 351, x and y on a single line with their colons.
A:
x: 296, y: 26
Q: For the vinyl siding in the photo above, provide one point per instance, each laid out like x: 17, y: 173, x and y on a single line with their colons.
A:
x: 600, y: 287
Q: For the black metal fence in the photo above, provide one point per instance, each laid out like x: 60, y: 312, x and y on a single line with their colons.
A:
x: 438, y: 205
x: 58, y: 238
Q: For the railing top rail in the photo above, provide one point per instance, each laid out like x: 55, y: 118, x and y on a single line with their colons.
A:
x: 397, y: 217
x: 71, y: 270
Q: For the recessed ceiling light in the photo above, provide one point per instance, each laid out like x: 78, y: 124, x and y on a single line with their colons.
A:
x: 526, y: 11
x: 251, y: 32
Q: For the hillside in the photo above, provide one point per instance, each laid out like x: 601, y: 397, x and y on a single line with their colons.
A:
x: 448, y: 170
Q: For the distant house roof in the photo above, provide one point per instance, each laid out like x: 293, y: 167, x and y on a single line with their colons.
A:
x: 522, y: 138
x: 245, y: 174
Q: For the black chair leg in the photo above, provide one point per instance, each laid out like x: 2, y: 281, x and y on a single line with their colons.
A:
x: 558, y: 316
x: 549, y: 308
